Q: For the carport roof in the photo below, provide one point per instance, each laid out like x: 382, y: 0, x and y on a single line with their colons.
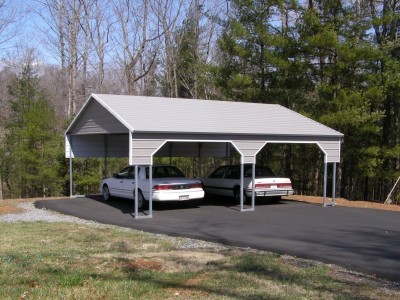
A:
x: 176, y: 115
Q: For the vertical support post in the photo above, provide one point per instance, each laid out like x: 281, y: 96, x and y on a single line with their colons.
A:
x: 105, y: 156
x: 241, y: 184
x: 170, y: 152
x: 334, y: 185
x: 70, y: 178
x: 70, y: 168
x: 136, y: 191
x: 325, y: 181
x: 199, y: 145
x: 130, y: 149
x: 151, y: 190
x: 253, y: 183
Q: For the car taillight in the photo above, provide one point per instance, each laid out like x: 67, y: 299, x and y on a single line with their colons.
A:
x: 159, y: 187
x: 196, y: 185
x: 262, y: 186
x: 284, y: 185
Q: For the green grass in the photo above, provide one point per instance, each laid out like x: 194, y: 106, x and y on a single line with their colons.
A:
x: 72, y: 261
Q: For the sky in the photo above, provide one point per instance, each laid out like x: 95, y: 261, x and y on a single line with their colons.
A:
x: 27, y: 31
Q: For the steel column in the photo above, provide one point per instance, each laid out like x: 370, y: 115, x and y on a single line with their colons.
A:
x: 334, y: 185
x: 325, y: 181
x: 130, y: 148
x: 105, y: 156
x: 70, y: 168
x: 241, y: 185
x: 150, y: 215
x: 136, y: 191
x: 70, y: 177
x: 151, y: 191
x: 253, y: 186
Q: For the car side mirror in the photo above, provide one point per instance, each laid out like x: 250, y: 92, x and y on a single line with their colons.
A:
x: 115, y: 175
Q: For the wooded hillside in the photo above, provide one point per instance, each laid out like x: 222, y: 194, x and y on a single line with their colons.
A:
x: 334, y: 61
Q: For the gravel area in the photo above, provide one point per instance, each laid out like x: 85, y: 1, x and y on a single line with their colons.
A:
x: 32, y: 214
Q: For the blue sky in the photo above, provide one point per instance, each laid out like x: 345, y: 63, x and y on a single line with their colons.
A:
x: 26, y: 30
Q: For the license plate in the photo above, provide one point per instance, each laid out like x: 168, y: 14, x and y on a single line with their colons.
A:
x: 184, y: 197
x: 274, y: 186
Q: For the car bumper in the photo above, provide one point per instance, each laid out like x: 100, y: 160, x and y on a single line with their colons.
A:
x: 270, y: 193
x: 177, y: 195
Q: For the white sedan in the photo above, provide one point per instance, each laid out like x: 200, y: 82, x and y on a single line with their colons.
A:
x: 169, y: 184
x: 225, y: 181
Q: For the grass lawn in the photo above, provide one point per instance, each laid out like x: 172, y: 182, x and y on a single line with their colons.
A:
x: 40, y: 260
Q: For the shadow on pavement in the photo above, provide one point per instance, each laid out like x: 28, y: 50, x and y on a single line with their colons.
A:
x: 126, y: 206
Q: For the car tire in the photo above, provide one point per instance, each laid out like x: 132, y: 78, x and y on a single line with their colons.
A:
x: 106, y: 193
x: 236, y: 194
x: 142, y: 203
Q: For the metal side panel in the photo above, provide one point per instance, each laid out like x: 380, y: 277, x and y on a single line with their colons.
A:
x: 95, y: 119
x: 248, y: 149
x: 332, y: 151
x: 68, y: 151
x: 143, y: 150
x: 117, y: 145
x: 193, y: 149
x: 97, y: 145
x: 87, y: 145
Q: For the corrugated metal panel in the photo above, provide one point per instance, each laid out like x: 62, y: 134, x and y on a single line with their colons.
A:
x: 156, y: 114
x: 193, y: 149
x: 98, y: 145
x: 142, y: 150
x: 95, y: 119
x: 248, y: 149
x: 88, y: 146
x: 117, y: 145
x: 332, y: 151
x: 68, y: 150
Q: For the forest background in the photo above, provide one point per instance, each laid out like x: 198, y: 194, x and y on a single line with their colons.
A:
x: 334, y: 61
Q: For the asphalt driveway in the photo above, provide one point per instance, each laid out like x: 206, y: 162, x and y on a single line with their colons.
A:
x: 366, y: 240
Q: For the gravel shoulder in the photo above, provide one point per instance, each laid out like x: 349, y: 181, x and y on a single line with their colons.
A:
x: 25, y: 211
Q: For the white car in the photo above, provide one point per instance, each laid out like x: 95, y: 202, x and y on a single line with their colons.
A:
x: 169, y: 184
x: 225, y: 180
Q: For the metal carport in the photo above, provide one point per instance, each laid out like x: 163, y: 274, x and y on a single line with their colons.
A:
x: 141, y: 127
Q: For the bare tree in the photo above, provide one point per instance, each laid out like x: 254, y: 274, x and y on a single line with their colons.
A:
x: 135, y: 38
x: 9, y: 23
x: 168, y: 13
x: 63, y: 18
x: 100, y: 31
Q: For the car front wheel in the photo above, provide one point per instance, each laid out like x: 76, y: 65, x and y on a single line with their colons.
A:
x: 141, y: 200
x: 106, y: 193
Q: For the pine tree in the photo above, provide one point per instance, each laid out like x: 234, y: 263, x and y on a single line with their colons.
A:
x: 32, y: 146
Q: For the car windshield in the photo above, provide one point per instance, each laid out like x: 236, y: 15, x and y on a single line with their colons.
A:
x: 165, y: 171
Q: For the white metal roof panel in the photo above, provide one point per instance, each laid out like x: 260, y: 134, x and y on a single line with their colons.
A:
x: 159, y: 114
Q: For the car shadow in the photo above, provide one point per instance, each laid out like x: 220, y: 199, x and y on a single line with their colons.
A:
x: 126, y: 206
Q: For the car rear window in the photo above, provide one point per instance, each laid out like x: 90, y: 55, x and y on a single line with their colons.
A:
x: 165, y: 172
x: 260, y: 172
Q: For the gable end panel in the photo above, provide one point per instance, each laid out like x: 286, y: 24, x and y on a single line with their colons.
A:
x: 95, y: 119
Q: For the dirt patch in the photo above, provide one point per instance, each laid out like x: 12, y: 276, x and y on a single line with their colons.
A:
x: 7, y: 209
x: 344, y: 202
x: 10, y: 206
x: 143, y: 264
